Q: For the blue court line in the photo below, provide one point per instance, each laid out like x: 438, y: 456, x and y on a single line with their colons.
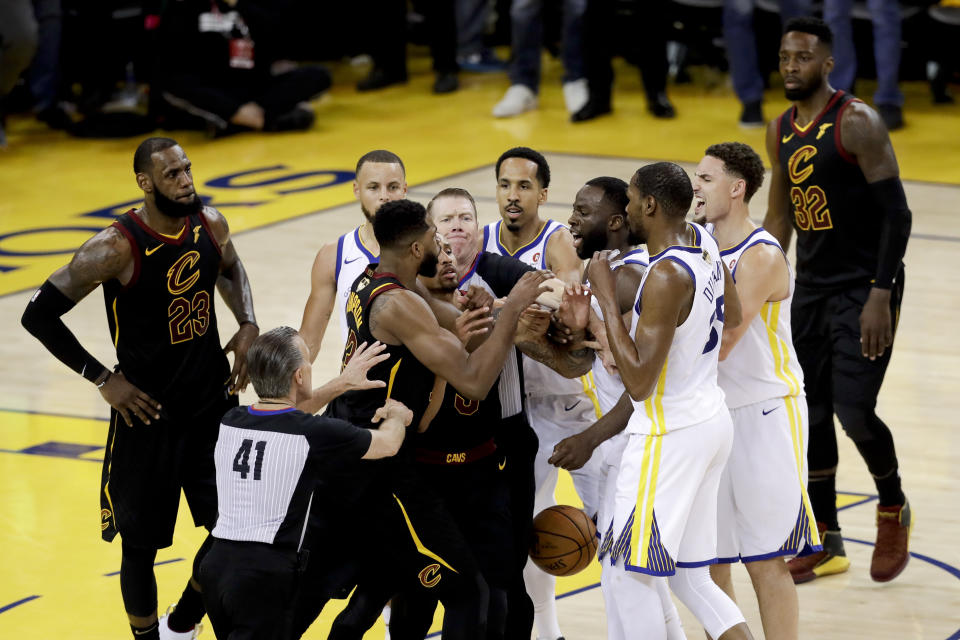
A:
x: 17, y: 603
x: 52, y: 415
x: 156, y: 564
x: 37, y: 455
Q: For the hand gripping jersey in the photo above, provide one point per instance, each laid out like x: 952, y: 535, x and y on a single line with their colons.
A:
x: 162, y: 322
x: 352, y: 258
x: 838, y: 235
x: 609, y: 386
x: 539, y: 379
x: 687, y: 392
x: 763, y: 365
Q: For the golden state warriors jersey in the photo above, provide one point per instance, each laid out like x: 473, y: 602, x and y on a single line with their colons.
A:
x: 539, y: 379
x: 687, y: 392
x: 763, y: 364
x: 352, y: 258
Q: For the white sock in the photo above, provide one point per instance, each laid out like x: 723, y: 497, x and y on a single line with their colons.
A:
x: 386, y: 621
x: 638, y: 604
x: 711, y: 606
x: 542, y: 588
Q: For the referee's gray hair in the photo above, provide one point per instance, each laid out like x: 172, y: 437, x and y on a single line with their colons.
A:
x: 271, y: 361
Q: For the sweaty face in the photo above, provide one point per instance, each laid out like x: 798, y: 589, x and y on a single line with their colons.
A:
x: 635, y: 217
x: 457, y: 223
x: 377, y: 183
x: 804, y: 64
x: 711, y: 189
x: 172, y: 180
x: 518, y: 192
x: 431, y: 253
x: 589, y: 221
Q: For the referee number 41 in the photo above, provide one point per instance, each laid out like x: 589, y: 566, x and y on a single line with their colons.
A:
x: 241, y: 461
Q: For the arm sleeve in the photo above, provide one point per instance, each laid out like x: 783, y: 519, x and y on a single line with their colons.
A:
x: 501, y: 272
x: 895, y: 226
x: 42, y: 319
x: 332, y: 436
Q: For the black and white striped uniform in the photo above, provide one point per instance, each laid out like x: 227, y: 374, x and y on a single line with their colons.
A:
x: 268, y: 466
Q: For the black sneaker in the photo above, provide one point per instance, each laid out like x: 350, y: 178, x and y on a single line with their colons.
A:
x: 380, y: 79
x: 446, y: 83
x: 752, y: 115
x: 593, y: 109
x: 892, y: 116
x: 659, y: 105
x: 297, y: 119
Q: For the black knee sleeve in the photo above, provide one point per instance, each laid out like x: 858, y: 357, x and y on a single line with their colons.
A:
x: 822, y: 446
x: 856, y: 422
x: 138, y: 585
x: 201, y: 553
x: 872, y: 437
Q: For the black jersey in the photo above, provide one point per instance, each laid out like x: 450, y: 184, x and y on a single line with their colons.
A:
x: 162, y: 322
x: 268, y: 464
x: 838, y: 232
x: 460, y: 426
x: 408, y: 380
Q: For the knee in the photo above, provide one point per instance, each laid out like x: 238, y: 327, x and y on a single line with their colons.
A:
x: 137, y: 557
x: 856, y: 421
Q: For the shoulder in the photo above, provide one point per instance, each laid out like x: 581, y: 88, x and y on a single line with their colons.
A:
x: 860, y: 124
x: 762, y: 257
x: 670, y: 271
x: 325, y: 263
x: 110, y: 248
x: 217, y: 224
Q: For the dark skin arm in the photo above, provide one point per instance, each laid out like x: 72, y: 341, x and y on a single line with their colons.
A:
x: 864, y: 135
x: 779, y: 218
x: 571, y: 360
x: 573, y: 452
x: 104, y: 257
x: 234, y: 288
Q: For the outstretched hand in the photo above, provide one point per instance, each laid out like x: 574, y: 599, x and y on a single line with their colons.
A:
x: 239, y: 344
x: 574, y: 310
x: 354, y: 375
x: 528, y: 288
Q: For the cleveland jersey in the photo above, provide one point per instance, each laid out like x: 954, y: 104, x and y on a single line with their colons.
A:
x: 162, y: 322
x: 838, y: 232
x: 539, y: 379
x: 687, y: 392
x: 763, y: 364
x: 608, y: 385
x: 460, y: 426
x: 407, y: 380
x: 268, y: 465
x: 352, y: 258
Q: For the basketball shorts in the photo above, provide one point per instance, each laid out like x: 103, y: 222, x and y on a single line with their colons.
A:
x: 826, y: 335
x: 146, y: 466
x: 665, y: 509
x: 762, y: 508
x: 554, y: 418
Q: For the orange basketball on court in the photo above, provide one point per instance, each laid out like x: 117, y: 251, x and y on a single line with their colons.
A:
x: 564, y: 540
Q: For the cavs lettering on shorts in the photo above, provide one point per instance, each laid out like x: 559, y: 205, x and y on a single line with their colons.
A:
x: 456, y: 458
x: 430, y: 575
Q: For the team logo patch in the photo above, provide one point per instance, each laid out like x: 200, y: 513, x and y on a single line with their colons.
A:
x: 363, y: 284
x: 105, y: 516
x: 430, y: 575
x: 536, y: 257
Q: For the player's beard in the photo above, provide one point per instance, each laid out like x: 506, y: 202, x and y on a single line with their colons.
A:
x: 366, y: 214
x: 804, y: 91
x: 428, y: 268
x: 174, y: 208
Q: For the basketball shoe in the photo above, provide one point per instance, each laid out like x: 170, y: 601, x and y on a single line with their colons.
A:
x: 833, y: 558
x: 891, y: 553
x: 166, y: 633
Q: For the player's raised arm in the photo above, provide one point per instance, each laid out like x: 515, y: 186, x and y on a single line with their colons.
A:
x: 562, y: 258
x: 234, y: 288
x: 778, y: 219
x: 323, y: 295
x: 103, y: 257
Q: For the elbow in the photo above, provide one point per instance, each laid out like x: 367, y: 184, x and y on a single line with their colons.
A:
x: 639, y: 390
x: 474, y: 391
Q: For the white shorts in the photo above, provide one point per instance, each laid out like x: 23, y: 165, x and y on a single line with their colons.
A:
x: 763, y: 508
x: 665, y: 511
x: 554, y: 418
x: 609, y: 454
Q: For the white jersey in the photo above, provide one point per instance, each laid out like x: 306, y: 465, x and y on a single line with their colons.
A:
x: 538, y: 378
x: 352, y: 258
x: 609, y: 386
x: 763, y: 364
x: 687, y: 392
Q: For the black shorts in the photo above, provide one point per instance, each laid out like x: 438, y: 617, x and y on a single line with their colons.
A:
x: 248, y: 589
x: 144, y: 468
x: 826, y: 335
x: 477, y: 497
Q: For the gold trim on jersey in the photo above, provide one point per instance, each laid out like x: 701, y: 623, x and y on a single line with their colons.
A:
x: 116, y: 324
x: 646, y: 495
x: 175, y: 236
x: 106, y: 485
x: 393, y: 374
x: 362, y: 243
x: 654, y: 404
x: 780, y: 350
x: 536, y: 237
x: 590, y: 389
x: 416, y: 539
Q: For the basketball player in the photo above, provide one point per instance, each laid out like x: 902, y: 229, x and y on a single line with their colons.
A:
x: 599, y: 223
x: 158, y: 266
x: 835, y: 179
x: 679, y: 434
x: 556, y: 406
x: 269, y: 457
x: 763, y: 510
x: 416, y: 538
x: 380, y: 177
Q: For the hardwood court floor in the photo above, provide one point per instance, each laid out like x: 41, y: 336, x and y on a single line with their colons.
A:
x: 285, y: 195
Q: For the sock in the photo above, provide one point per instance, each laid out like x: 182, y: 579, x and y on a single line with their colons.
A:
x: 542, y: 589
x: 889, y: 489
x: 146, y: 633
x: 823, y: 498
x: 188, y: 612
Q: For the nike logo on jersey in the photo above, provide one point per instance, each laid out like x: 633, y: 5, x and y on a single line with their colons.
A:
x: 349, y: 261
x: 823, y: 129
x: 152, y: 251
x: 771, y: 411
x: 786, y: 139
x: 570, y: 408
x: 502, y: 465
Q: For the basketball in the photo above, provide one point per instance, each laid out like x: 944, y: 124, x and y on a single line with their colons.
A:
x: 564, y: 540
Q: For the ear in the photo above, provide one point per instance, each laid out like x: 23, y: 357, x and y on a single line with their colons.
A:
x: 542, y: 197
x: 356, y: 189
x: 649, y: 205
x: 298, y: 376
x: 616, y: 221
x: 416, y: 249
x: 404, y: 188
x: 738, y: 189
x: 145, y: 183
x: 828, y: 65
